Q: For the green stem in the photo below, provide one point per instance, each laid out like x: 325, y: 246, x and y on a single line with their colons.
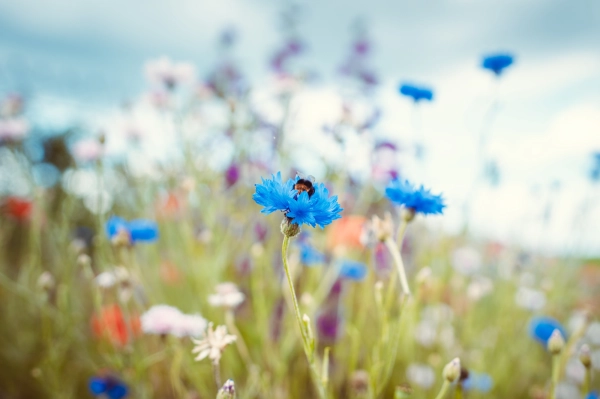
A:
x: 555, y: 375
x: 305, y: 339
x: 240, y: 343
x: 395, y: 252
x: 586, y: 381
x: 444, y: 390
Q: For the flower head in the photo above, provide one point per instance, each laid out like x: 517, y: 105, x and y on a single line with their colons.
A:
x: 418, y: 199
x: 302, y: 201
x: 227, y: 295
x: 109, y: 386
x: 111, y: 322
x: 353, y: 270
x: 213, y: 344
x: 417, y: 93
x: 497, y: 62
x: 478, y: 381
x: 88, y: 150
x: 227, y: 391
x: 541, y: 329
x: 165, y: 319
x: 139, y: 230
x: 17, y: 208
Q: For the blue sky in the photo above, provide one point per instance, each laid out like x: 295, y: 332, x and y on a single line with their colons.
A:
x: 89, y: 55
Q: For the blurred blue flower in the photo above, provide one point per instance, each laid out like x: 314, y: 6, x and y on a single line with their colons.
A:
x: 139, y: 230
x: 478, y: 381
x: 302, y: 202
x: 108, y: 385
x: 595, y: 172
x: 309, y: 256
x: 497, y: 62
x: 353, y: 270
x: 541, y: 328
x: 418, y: 199
x: 593, y: 395
x: 416, y: 93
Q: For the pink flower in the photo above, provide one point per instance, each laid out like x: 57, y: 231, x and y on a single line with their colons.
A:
x: 165, y: 319
x: 13, y: 129
x: 87, y: 150
x: 165, y: 72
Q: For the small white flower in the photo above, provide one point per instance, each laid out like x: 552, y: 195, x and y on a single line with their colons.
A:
x: 165, y: 72
x: 213, y: 344
x: 421, y: 375
x: 466, y: 260
x: 190, y: 325
x: 530, y: 299
x: 46, y: 281
x: 479, y: 287
x: 106, y: 279
x: 228, y: 296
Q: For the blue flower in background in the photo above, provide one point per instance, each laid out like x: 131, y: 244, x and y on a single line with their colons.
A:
x: 302, y: 202
x: 541, y: 328
x: 353, y: 270
x: 592, y: 395
x: 418, y: 199
x: 497, y: 62
x: 478, y: 381
x: 108, y: 385
x: 139, y: 230
x: 310, y: 256
x: 595, y: 172
x: 416, y: 93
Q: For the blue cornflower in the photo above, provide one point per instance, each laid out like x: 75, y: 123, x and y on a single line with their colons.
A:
x: 108, y: 385
x: 139, y: 230
x: 352, y: 270
x: 309, y: 256
x: 593, y: 395
x: 478, y: 381
x: 541, y: 328
x: 497, y: 62
x: 595, y: 171
x: 416, y: 93
x: 418, y: 199
x: 302, y: 202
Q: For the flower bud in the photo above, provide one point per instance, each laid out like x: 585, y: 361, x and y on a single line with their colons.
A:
x: 359, y: 384
x: 452, y: 370
x: 46, y: 281
x: 309, y: 332
x: 289, y: 228
x: 556, y: 342
x: 408, y: 214
x: 227, y: 391
x: 585, y: 356
x: 403, y: 391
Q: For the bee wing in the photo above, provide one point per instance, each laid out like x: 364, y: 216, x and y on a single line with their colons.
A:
x: 311, y: 178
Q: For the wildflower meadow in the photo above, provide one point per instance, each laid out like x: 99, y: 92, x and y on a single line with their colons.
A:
x: 208, y: 237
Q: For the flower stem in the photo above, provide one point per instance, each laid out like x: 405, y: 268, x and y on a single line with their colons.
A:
x: 395, y: 252
x: 217, y: 375
x: 586, y: 381
x: 305, y: 340
x: 444, y: 390
x: 240, y: 343
x: 555, y: 375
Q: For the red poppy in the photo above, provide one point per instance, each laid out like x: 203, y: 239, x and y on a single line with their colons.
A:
x: 17, y: 208
x: 346, y: 232
x: 112, y: 324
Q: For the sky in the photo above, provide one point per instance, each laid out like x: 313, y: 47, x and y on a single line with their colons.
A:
x: 83, y: 59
